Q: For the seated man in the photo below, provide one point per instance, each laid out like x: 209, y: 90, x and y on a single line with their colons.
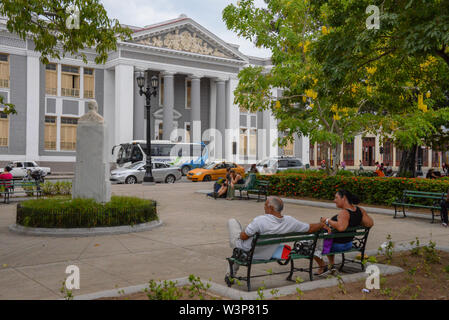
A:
x: 272, y: 222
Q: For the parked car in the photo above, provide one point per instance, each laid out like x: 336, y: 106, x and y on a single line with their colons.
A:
x: 279, y: 164
x: 20, y: 168
x: 213, y: 171
x: 134, y: 173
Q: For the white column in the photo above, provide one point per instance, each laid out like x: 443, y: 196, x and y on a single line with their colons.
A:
x: 305, y: 152
x: 221, y: 119
x: 169, y: 104
x: 195, y: 120
x: 232, y: 121
x: 32, y: 123
x: 82, y: 83
x: 124, y: 103
x: 109, y: 107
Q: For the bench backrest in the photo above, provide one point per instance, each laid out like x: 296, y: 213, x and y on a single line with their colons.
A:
x: 250, y: 181
x: 423, y: 194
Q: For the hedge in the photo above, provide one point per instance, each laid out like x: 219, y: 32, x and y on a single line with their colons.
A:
x: 370, y: 190
x: 85, y: 213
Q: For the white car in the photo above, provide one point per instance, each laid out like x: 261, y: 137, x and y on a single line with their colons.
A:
x: 19, y: 168
x: 276, y: 164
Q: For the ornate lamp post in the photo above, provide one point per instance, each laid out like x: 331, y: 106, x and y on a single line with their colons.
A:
x: 150, y: 90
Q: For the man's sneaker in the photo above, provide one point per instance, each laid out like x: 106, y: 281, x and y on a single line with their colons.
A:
x: 444, y: 224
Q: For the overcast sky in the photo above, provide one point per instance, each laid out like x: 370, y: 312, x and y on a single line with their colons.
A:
x: 207, y: 13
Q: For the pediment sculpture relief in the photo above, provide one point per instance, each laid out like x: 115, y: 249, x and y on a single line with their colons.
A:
x: 183, y: 41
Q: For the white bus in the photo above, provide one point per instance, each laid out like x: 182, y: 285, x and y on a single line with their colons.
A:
x: 187, y: 156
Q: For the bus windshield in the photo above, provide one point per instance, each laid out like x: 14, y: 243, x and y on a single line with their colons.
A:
x: 192, y: 154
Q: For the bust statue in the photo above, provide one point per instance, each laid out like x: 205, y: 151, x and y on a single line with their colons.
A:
x: 92, y: 115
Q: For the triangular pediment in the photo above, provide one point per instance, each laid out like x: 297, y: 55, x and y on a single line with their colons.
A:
x: 187, y: 36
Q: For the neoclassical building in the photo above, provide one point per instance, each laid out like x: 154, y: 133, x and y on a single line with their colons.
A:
x: 197, y: 74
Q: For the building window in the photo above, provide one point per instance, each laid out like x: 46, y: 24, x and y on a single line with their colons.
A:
x: 321, y: 153
x: 243, y: 142
x: 4, y: 129
x: 188, y: 94
x: 289, y: 150
x: 161, y: 91
x: 348, y: 153
x: 398, y: 156
x: 253, y: 143
x: 435, y: 159
x: 312, y: 154
x: 187, y: 132
x: 89, y: 83
x: 51, y: 79
x: 70, y: 81
x: 4, y: 70
x: 68, y: 133
x: 388, y: 153
x: 50, y: 133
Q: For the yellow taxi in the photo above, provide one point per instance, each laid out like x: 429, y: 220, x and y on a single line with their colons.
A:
x: 213, y: 171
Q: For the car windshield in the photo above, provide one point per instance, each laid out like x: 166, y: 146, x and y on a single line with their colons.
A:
x: 209, y: 166
x: 134, y: 166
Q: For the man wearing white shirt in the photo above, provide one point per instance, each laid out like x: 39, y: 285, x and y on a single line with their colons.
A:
x: 272, y: 222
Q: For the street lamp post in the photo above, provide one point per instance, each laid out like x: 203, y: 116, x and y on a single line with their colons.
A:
x: 150, y: 90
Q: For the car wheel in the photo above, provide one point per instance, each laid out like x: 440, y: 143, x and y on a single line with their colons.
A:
x: 207, y: 178
x: 185, y: 170
x: 131, y: 180
x: 170, y: 179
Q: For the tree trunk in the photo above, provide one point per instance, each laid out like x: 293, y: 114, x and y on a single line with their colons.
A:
x: 407, y: 168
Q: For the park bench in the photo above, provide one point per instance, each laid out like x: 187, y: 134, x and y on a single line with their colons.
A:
x: 408, y: 195
x: 10, y: 187
x: 249, y: 184
x: 260, y: 188
x: 304, y: 245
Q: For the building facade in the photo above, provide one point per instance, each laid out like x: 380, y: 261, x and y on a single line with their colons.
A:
x: 367, y: 151
x: 197, y: 73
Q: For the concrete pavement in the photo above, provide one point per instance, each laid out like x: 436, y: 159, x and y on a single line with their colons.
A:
x: 193, y: 240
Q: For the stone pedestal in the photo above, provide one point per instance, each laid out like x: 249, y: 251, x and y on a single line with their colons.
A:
x: 91, y: 180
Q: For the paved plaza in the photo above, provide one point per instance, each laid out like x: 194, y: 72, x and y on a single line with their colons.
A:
x: 192, y: 240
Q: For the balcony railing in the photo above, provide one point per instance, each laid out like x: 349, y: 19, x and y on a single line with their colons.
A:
x: 50, y: 145
x: 70, y: 92
x: 3, y: 142
x: 4, y: 83
x: 51, y: 91
x: 88, y: 94
x: 68, y: 146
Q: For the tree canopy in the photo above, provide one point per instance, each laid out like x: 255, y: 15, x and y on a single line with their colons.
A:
x: 53, y: 27
x: 341, y: 79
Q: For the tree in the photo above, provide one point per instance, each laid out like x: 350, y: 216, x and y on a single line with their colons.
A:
x: 53, y: 27
x: 363, y: 81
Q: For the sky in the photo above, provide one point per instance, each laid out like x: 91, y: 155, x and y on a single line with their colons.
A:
x: 207, y: 13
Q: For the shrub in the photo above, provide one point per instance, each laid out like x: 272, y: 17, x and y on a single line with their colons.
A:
x: 85, y: 213
x: 370, y: 190
x: 345, y: 173
x: 62, y: 188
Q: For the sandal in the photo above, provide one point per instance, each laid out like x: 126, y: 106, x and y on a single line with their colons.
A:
x: 325, y: 271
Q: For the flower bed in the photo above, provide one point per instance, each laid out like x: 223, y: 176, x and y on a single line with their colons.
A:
x: 85, y: 213
x: 371, y: 190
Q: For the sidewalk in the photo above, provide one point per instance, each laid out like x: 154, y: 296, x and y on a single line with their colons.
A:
x: 192, y: 240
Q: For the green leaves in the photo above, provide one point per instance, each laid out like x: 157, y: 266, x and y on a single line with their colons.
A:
x: 47, y: 23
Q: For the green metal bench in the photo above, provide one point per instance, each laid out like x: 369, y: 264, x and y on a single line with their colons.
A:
x: 260, y: 188
x: 408, y: 195
x: 10, y: 187
x: 304, y: 245
x: 249, y: 184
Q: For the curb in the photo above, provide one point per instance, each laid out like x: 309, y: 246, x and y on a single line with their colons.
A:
x: 326, y: 205
x: 83, y: 232
x: 234, y: 294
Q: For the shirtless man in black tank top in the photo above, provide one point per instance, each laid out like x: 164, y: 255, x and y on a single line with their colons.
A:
x: 349, y: 216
